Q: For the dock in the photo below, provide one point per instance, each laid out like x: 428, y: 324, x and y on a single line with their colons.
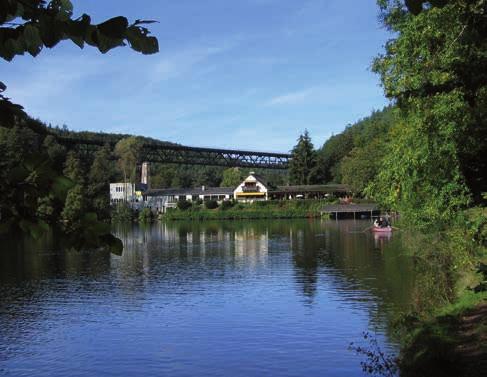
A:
x: 365, y: 210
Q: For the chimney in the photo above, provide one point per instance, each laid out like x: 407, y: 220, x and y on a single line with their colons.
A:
x: 145, y: 174
x: 203, y: 188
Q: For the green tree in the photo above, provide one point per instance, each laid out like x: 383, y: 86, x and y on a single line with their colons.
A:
x: 183, y: 178
x: 128, y: 152
x: 73, y: 168
x: 330, y: 155
x: 303, y: 161
x: 56, y: 152
x: 360, y: 167
x: 210, y: 176
x: 74, y: 207
x: 435, y: 70
x: 162, y: 175
x: 101, y: 172
x: 232, y: 177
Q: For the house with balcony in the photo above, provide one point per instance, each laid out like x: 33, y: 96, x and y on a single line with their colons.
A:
x: 253, y: 188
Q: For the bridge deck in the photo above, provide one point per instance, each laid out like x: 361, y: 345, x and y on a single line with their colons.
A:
x: 180, y: 154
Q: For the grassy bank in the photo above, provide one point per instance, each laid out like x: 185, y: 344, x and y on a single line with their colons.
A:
x: 242, y: 211
x: 445, y: 333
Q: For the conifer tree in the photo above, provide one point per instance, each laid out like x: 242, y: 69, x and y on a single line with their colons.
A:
x: 303, y: 161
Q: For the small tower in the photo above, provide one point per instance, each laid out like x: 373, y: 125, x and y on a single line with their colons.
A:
x: 145, y: 174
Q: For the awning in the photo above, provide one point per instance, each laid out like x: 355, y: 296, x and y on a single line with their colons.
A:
x: 250, y: 193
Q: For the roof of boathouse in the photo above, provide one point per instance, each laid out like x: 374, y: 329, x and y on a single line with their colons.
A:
x: 362, y: 207
x: 190, y: 191
x: 310, y: 188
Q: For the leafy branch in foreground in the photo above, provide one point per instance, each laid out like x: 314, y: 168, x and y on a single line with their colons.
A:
x: 377, y: 362
x: 40, y: 24
x: 27, y: 26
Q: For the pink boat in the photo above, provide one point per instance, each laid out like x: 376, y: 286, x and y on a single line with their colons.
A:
x: 378, y: 229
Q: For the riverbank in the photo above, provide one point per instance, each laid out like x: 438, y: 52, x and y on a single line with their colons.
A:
x: 445, y: 333
x: 248, y: 211
x: 453, y: 343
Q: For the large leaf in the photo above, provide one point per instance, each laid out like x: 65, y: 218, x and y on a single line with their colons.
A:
x: 140, y: 41
x: 114, y: 27
x: 77, y: 30
x: 105, y: 43
x: 51, y: 31
x: 32, y: 40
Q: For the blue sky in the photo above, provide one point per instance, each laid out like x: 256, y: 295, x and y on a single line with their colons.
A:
x: 247, y: 74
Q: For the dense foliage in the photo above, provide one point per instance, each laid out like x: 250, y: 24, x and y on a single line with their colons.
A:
x: 232, y: 177
x: 44, y: 186
x: 435, y: 71
x: 353, y: 156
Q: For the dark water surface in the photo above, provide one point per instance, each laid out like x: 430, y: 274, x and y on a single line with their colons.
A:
x: 280, y: 298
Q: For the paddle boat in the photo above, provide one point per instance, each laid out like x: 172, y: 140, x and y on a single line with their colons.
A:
x: 381, y: 225
x: 378, y: 229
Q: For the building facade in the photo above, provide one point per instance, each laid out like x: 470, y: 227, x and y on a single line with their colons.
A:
x: 253, y: 188
x: 131, y: 193
x: 159, y: 200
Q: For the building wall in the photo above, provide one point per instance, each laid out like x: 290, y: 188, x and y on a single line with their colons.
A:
x: 121, y: 192
x: 160, y: 203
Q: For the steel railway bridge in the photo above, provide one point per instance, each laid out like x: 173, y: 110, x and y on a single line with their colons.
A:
x: 179, y: 154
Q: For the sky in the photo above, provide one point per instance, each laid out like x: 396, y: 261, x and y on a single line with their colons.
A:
x: 248, y: 74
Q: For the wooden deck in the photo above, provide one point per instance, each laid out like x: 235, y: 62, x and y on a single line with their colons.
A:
x: 358, y: 210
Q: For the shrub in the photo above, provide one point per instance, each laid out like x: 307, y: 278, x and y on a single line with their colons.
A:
x: 211, y: 204
x: 227, y: 204
x: 183, y: 204
x: 122, y: 213
x: 146, y: 216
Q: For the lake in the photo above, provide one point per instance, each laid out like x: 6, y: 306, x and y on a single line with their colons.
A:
x: 265, y: 298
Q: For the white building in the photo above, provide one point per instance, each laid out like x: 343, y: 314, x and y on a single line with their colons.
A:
x: 253, y: 188
x: 121, y: 192
x: 161, y: 199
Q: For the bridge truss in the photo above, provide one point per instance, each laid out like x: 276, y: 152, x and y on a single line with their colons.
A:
x: 178, y: 154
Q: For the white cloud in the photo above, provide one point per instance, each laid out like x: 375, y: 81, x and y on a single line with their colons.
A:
x: 291, y: 98
x: 179, y: 63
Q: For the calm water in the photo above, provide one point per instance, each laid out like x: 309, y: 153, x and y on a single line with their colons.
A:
x: 280, y: 298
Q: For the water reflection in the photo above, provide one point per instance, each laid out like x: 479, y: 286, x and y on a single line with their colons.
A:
x: 253, y: 298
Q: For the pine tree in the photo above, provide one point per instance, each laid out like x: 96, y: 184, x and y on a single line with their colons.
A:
x: 303, y: 161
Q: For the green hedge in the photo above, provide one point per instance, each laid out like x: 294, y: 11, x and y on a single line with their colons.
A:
x: 257, y: 210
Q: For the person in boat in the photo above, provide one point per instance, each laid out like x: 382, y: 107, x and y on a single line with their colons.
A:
x: 384, y: 223
x: 377, y: 223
